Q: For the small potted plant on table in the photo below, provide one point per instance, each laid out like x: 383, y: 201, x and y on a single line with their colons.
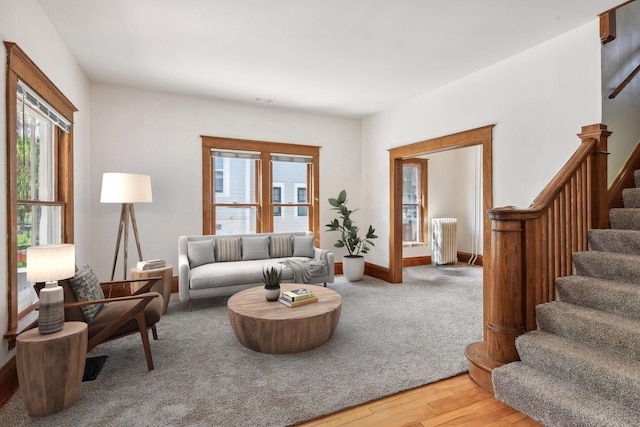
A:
x: 271, y: 278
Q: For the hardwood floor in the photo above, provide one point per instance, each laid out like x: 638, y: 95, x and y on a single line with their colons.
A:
x: 455, y: 401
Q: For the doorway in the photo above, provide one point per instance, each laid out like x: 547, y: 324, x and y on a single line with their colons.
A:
x: 480, y: 136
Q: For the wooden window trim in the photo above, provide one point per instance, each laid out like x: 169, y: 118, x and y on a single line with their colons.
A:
x: 263, y: 193
x: 21, y: 67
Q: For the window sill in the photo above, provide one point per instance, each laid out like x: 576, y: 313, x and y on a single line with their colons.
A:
x: 27, y: 322
x: 414, y: 244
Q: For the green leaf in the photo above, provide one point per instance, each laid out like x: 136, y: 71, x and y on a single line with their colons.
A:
x: 342, y: 197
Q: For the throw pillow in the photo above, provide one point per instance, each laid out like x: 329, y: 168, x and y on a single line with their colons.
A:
x: 86, y: 287
x: 255, y: 248
x: 280, y: 246
x: 303, y: 246
x: 227, y: 249
x: 200, y: 252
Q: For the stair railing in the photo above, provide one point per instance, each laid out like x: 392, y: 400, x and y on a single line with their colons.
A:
x: 531, y: 247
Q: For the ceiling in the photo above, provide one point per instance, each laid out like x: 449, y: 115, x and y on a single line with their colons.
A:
x: 349, y: 58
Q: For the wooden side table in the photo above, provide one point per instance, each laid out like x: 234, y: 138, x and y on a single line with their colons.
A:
x: 50, y: 367
x: 163, y: 287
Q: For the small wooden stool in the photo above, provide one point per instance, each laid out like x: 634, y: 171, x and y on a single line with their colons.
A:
x: 50, y: 367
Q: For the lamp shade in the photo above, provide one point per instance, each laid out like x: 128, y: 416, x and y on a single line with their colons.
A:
x: 50, y: 262
x: 125, y: 188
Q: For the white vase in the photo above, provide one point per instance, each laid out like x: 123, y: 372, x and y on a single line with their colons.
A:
x: 272, y: 294
x: 51, y: 317
x: 353, y: 267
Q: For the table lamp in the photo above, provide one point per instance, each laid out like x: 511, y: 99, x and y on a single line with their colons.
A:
x: 126, y: 188
x: 48, y: 264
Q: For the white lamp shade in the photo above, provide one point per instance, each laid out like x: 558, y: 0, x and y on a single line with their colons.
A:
x: 50, y: 262
x: 125, y: 188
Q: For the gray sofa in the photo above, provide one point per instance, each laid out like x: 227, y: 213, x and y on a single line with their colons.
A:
x: 221, y: 265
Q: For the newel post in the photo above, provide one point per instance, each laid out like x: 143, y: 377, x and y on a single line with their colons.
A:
x: 598, y: 178
x: 505, y: 321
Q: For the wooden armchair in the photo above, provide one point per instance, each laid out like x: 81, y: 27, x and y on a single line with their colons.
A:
x: 136, y: 311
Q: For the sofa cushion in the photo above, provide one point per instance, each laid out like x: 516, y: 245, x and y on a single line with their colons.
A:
x: 303, y: 246
x: 227, y: 249
x: 235, y: 273
x: 280, y: 246
x: 86, y: 287
x: 255, y: 248
x: 200, y: 252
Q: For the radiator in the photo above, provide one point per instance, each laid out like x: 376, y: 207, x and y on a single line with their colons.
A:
x: 444, y: 241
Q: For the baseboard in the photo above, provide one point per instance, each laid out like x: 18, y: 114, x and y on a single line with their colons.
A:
x: 465, y: 257
x: 416, y: 261
x: 8, y: 381
x: 373, y: 270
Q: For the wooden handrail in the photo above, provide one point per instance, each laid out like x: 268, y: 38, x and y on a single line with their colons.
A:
x: 531, y: 247
x: 625, y: 82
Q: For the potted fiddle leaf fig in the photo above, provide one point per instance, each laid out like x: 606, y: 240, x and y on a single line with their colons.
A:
x: 271, y: 278
x: 350, y: 238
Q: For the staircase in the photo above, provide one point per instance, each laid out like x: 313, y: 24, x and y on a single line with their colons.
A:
x: 581, y: 367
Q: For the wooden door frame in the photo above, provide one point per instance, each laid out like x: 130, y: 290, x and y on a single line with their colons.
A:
x: 479, y: 136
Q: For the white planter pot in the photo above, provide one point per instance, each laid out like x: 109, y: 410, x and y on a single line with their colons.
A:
x: 353, y: 267
x: 272, y: 294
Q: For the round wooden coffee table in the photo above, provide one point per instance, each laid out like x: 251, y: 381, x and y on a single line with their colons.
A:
x: 272, y: 327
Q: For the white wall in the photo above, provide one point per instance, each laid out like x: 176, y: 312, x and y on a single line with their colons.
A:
x: 538, y: 100
x: 622, y: 114
x: 158, y: 134
x: 24, y: 23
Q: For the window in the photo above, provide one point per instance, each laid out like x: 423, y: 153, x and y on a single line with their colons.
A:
x: 219, y: 177
x: 414, y: 201
x: 40, y: 191
x: 277, y: 198
x: 264, y: 180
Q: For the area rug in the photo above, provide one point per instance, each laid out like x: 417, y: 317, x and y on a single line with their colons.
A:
x: 391, y: 337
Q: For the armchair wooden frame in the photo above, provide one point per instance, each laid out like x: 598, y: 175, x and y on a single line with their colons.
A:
x: 136, y: 312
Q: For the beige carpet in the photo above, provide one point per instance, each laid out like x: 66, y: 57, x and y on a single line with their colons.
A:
x: 390, y: 338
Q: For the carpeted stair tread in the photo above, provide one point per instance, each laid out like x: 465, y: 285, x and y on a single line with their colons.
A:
x: 631, y: 197
x: 597, y: 328
x: 625, y: 218
x: 636, y: 177
x: 555, y: 402
x: 611, y: 240
x: 622, y: 299
x: 607, y: 265
x: 600, y: 372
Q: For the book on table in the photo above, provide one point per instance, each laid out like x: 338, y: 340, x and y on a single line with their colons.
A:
x: 151, y: 264
x: 297, y: 294
x: 299, y: 302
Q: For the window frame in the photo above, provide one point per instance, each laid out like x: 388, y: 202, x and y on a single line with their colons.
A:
x: 21, y: 67
x: 423, y: 211
x: 265, y: 218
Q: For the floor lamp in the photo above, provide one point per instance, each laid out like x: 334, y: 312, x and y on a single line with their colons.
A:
x: 126, y: 188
